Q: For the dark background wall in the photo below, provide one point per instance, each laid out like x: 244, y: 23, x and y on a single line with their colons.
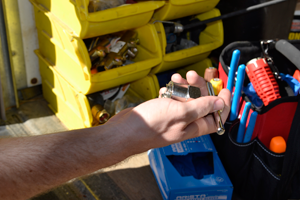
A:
x: 267, y: 23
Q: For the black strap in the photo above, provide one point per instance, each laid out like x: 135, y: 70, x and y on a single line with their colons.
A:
x: 291, y: 164
x: 289, y: 51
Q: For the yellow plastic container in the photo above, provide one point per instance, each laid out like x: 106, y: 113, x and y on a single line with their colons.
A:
x: 174, y: 9
x: 70, y: 105
x: 198, y: 67
x: 75, y: 15
x: 210, y: 39
x: 147, y: 87
x: 70, y: 55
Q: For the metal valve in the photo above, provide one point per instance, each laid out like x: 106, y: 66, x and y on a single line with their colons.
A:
x: 100, y: 114
x: 125, y: 48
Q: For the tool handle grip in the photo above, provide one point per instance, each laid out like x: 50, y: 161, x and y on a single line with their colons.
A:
x: 289, y: 51
x: 233, y: 65
x: 237, y: 93
x: 242, y: 127
x: 250, y: 128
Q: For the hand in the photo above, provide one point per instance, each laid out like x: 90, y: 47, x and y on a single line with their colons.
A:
x: 161, y: 122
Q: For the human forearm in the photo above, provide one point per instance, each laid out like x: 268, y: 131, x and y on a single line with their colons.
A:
x: 31, y: 165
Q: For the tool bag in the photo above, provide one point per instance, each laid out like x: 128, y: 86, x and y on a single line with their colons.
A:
x: 255, y: 171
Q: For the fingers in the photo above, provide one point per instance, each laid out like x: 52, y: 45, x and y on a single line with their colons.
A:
x: 195, y: 80
x: 178, y: 79
x: 192, y: 79
x: 162, y: 90
x: 202, y: 126
x: 207, y: 124
x: 201, y: 107
x: 226, y: 96
x: 175, y: 78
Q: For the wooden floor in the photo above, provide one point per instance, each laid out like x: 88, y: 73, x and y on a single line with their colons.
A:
x: 131, y: 179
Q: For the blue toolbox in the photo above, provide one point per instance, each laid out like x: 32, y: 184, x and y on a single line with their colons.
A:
x: 190, y: 170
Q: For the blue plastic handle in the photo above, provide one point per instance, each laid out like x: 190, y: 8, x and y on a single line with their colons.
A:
x: 233, y: 65
x: 250, y: 128
x: 237, y: 93
x: 242, y: 127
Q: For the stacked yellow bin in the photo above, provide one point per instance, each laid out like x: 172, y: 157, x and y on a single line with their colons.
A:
x: 65, y: 65
x: 209, y: 39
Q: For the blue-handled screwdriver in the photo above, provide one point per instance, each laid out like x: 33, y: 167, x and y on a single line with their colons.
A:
x: 237, y: 93
x: 250, y: 128
x: 242, y: 127
x: 233, y: 65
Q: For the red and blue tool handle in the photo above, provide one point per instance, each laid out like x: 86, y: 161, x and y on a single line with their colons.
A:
x: 263, y: 80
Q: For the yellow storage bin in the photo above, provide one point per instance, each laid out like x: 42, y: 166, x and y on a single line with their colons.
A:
x: 198, y: 67
x: 174, y: 9
x: 210, y: 39
x: 70, y: 55
x: 71, y: 106
x: 147, y: 87
x: 75, y: 15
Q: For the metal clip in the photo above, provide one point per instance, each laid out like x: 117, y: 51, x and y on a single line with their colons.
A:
x: 217, y: 114
x: 264, y: 44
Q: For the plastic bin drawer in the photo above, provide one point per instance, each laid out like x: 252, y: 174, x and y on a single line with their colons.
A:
x: 147, y: 87
x: 174, y: 9
x: 75, y: 15
x: 198, y: 67
x: 70, y: 55
x: 210, y: 39
x: 71, y: 106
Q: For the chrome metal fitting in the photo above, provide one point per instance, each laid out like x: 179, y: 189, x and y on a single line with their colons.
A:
x: 181, y: 92
x: 100, y: 114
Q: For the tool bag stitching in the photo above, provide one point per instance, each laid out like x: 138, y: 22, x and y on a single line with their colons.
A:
x: 239, y: 145
x: 265, y: 167
x: 269, y: 152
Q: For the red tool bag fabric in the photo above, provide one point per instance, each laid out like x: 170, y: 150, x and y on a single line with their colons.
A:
x: 255, y: 171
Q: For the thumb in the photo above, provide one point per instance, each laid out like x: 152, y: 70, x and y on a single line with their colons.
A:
x: 202, y: 106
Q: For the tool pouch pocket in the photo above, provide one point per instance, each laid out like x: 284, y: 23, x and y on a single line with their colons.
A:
x: 252, y: 168
x: 255, y: 171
